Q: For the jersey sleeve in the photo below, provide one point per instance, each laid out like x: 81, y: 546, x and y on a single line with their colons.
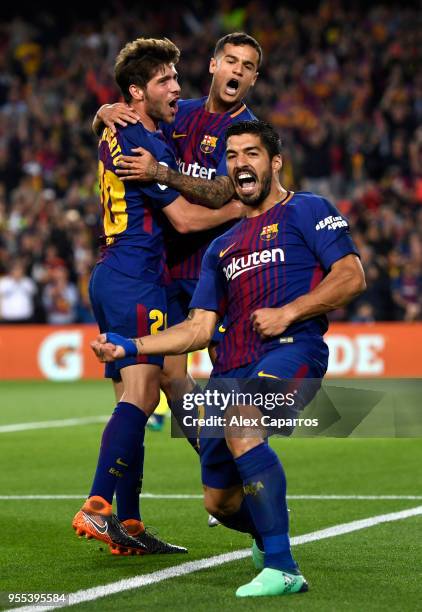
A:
x: 210, y: 292
x: 159, y: 195
x: 326, y: 231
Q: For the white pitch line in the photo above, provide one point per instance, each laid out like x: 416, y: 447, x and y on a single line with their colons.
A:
x: 368, y: 497
x: 193, y: 566
x: 193, y: 496
x: 82, y: 496
x: 49, y: 424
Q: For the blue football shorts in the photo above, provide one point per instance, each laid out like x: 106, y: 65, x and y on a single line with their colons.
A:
x: 179, y: 295
x: 129, y: 307
x: 305, y: 358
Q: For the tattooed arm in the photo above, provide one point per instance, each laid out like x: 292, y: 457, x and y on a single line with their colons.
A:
x: 144, y: 167
x: 212, y: 194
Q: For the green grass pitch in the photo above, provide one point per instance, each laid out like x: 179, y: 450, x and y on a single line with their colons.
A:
x: 373, y: 569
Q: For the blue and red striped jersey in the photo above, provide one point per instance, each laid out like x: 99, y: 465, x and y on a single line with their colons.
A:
x: 266, y: 262
x: 197, y: 139
x: 132, y: 218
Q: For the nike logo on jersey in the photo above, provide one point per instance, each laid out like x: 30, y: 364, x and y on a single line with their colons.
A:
x: 221, y: 329
x: 102, y: 529
x: 265, y: 375
x: 174, y: 135
x: 224, y: 251
x: 120, y: 461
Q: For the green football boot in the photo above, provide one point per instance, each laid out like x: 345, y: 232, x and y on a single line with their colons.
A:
x: 257, y: 556
x: 271, y: 582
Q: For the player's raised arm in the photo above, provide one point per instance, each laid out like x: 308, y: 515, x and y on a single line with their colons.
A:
x: 344, y: 282
x: 186, y: 217
x: 191, y: 335
x: 109, y: 115
x: 144, y: 167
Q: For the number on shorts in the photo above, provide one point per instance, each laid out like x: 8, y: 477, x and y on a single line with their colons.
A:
x: 159, y: 321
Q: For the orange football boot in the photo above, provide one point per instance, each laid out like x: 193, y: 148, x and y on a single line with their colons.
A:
x: 96, y: 520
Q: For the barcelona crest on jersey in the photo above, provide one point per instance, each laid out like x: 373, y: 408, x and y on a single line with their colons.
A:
x: 208, y: 143
x: 269, y: 232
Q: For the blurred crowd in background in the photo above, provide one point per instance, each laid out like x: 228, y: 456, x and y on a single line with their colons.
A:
x: 344, y: 87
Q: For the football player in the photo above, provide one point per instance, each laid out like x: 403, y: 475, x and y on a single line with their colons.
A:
x: 274, y: 276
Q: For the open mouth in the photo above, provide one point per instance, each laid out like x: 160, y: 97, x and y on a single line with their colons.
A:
x: 173, y: 104
x: 232, y: 87
x: 246, y: 181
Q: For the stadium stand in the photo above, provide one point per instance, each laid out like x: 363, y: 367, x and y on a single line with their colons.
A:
x: 343, y: 86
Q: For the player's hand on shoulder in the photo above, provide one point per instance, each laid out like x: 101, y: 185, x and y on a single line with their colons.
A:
x: 270, y: 322
x: 105, y: 350
x: 142, y: 166
x: 119, y: 113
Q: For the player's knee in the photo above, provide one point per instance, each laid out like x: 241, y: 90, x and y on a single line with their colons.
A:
x: 141, y: 386
x: 221, y: 505
x: 240, y: 446
x: 147, y: 400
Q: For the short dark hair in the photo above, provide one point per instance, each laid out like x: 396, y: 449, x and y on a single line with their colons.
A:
x: 269, y: 137
x: 140, y: 60
x: 237, y: 39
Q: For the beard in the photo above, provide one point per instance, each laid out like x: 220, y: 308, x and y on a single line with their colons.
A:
x: 256, y: 199
x: 156, y: 109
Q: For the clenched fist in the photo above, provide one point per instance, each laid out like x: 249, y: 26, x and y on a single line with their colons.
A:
x: 270, y: 322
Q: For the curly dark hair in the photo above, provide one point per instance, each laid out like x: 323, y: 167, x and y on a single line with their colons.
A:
x: 140, y: 60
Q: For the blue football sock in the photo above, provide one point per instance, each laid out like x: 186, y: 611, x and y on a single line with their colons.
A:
x: 122, y: 437
x: 242, y: 521
x: 129, y: 488
x: 264, y: 484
